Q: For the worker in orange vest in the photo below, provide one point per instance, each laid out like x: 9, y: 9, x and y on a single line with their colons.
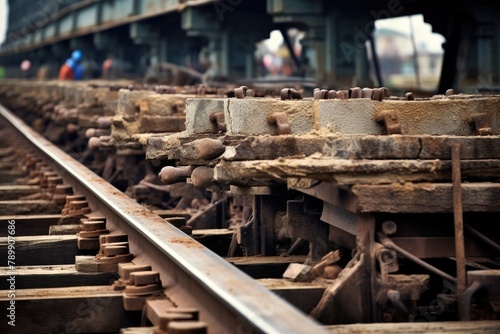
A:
x: 72, y: 69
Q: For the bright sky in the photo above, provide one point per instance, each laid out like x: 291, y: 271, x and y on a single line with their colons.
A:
x: 424, y: 37
x: 3, y: 20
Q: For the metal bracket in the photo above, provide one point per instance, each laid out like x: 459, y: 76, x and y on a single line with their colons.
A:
x: 218, y: 122
x: 481, y: 123
x: 280, y: 120
x: 391, y: 121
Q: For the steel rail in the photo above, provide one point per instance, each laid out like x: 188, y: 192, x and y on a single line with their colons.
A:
x: 228, y: 300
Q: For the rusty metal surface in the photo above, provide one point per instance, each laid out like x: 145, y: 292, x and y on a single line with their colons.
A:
x: 193, y: 273
x: 359, y: 171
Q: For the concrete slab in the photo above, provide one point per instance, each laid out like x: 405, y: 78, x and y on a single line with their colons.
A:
x: 198, y: 114
x: 248, y: 116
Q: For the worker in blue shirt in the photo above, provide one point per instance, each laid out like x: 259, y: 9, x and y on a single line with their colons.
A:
x: 72, y: 68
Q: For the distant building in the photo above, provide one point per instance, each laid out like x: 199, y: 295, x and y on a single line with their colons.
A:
x: 396, y: 58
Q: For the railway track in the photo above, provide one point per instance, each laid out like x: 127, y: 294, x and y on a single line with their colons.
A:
x: 53, y: 296
x: 269, y: 181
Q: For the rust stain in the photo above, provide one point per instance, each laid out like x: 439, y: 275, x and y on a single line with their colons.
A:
x: 190, y: 243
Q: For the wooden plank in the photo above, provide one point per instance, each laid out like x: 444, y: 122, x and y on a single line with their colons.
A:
x: 11, y: 176
x: 304, y: 296
x: 363, y: 147
x: 53, y: 277
x: 426, y: 197
x: 162, y: 123
x: 72, y: 229
x: 8, y: 165
x: 265, y: 267
x: 29, y: 207
x: 167, y: 148
x: 347, y: 172
x: 12, y: 192
x: 96, y: 309
x: 43, y: 250
x: 29, y: 225
x: 6, y: 151
x: 453, y: 327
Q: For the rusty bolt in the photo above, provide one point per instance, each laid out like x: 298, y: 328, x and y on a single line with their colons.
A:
x: 208, y: 148
x: 94, y: 143
x: 202, y: 177
x: 367, y: 93
x: 218, y: 121
x: 290, y: 93
x: 320, y: 94
x: 389, y: 227
x: 240, y: 92
x: 316, y: 94
x: 280, y: 120
x: 355, y: 93
x: 104, y: 123
x: 378, y: 94
x: 343, y: 94
x: 97, y: 133
x: 90, y: 133
x: 387, y: 92
x: 170, y: 175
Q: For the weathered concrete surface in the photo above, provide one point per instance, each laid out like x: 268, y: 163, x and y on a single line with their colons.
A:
x: 198, y: 114
x: 248, y: 116
x: 435, y: 116
x: 445, y: 116
x: 354, y: 116
x: 149, y: 103
x: 147, y: 112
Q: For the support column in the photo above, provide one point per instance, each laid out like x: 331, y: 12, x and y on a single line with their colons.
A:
x: 230, y: 47
x: 302, y: 13
x: 147, y: 34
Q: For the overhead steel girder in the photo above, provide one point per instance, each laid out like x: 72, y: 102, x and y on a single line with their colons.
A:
x: 85, y: 18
